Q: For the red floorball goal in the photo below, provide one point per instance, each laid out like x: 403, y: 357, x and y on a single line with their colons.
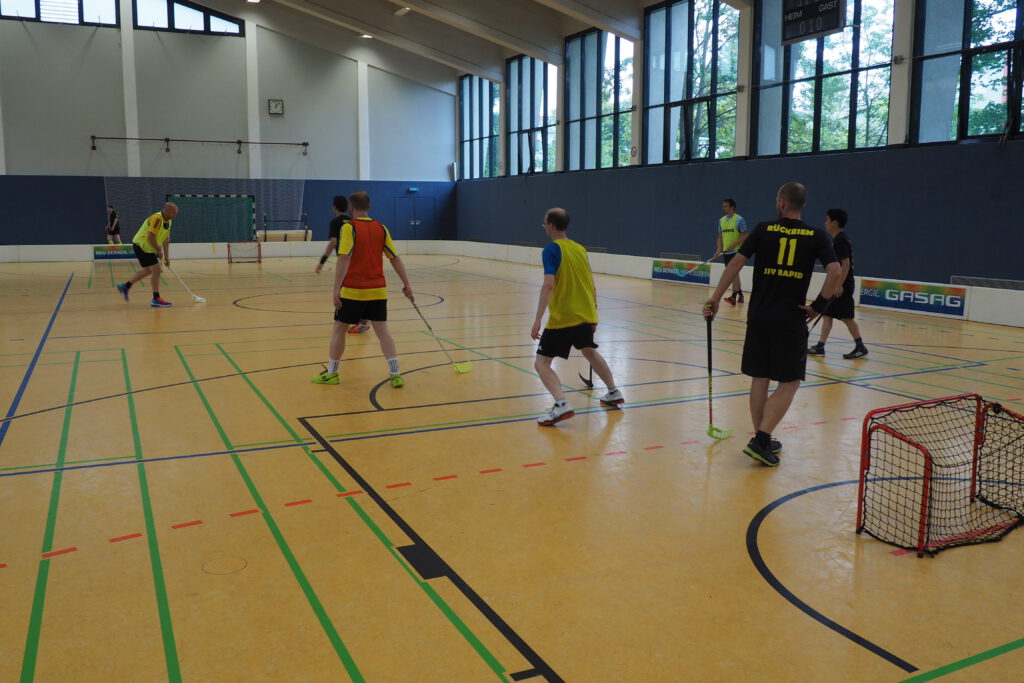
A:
x: 941, y: 473
x: 245, y: 252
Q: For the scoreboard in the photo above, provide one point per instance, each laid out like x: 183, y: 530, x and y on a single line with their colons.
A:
x: 804, y: 19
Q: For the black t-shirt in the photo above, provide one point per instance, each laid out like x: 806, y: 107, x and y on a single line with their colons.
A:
x: 336, y: 224
x: 786, y: 250
x: 112, y: 220
x: 844, y: 249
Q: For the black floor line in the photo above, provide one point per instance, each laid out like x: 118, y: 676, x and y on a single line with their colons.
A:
x: 423, y: 549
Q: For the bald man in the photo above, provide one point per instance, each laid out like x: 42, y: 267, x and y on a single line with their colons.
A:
x: 152, y: 239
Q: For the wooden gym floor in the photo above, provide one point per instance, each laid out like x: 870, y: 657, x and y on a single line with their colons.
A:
x: 179, y: 502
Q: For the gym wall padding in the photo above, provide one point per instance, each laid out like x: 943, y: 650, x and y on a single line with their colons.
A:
x: 916, y: 213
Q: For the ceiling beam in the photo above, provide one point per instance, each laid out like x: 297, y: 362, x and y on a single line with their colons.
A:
x: 413, y: 33
x: 621, y: 17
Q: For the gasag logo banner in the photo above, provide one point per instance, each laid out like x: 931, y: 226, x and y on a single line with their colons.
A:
x: 920, y: 297
x: 676, y: 271
x: 107, y: 252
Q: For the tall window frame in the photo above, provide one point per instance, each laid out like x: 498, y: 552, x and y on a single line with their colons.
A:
x: 598, y: 129
x: 479, y: 119
x: 37, y: 15
x: 792, y: 115
x: 531, y: 93
x: 959, y: 71
x: 690, y: 81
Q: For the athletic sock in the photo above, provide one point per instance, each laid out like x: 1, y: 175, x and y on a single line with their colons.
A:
x: 156, y: 295
x: 859, y: 343
x: 393, y: 366
x: 332, y: 366
x: 612, y: 389
x: 561, y: 402
x: 764, y: 439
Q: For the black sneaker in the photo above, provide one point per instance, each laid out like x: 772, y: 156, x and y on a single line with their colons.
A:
x: 739, y: 297
x: 816, y: 350
x: 731, y: 300
x: 858, y: 352
x: 776, y: 446
x: 757, y: 452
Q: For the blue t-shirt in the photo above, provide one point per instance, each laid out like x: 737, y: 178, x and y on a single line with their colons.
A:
x: 552, y: 258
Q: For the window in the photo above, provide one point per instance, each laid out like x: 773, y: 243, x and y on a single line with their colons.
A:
x: 969, y: 56
x: 692, y: 65
x: 599, y: 101
x: 829, y: 93
x: 185, y: 17
x: 532, y: 98
x: 86, y: 12
x: 479, y: 114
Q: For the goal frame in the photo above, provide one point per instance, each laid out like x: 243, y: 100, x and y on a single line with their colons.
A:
x: 870, y: 427
x: 259, y: 252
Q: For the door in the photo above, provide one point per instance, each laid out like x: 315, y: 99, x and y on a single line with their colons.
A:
x: 415, y: 218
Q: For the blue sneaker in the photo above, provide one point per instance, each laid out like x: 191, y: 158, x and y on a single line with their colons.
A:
x: 160, y: 303
x: 122, y: 290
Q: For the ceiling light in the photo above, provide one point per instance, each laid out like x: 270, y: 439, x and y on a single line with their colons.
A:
x: 401, y: 11
x: 366, y: 35
x: 255, y: 2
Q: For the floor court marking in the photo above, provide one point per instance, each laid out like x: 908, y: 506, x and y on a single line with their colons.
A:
x: 499, y: 624
x: 32, y: 364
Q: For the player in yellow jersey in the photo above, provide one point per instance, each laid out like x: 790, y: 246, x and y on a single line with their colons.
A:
x: 152, y: 240
x: 569, y: 295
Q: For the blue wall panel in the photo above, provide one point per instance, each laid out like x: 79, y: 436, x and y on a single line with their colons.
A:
x: 921, y: 213
x: 52, y: 210
x: 319, y: 193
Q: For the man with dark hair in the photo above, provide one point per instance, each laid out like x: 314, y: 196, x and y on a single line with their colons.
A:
x: 776, y: 341
x: 339, y: 207
x: 569, y: 295
x: 113, y: 228
x: 152, y: 240
x: 360, y: 289
x: 841, y: 306
x: 732, y: 230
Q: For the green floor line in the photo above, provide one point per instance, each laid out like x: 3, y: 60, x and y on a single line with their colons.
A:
x: 459, y: 625
x: 159, y: 585
x: 35, y: 625
x: 68, y: 463
x: 965, y: 663
x: 307, y: 588
x: 110, y: 267
x: 92, y: 270
x: 912, y: 380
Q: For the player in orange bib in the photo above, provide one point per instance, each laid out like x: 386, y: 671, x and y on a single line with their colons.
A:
x: 360, y: 290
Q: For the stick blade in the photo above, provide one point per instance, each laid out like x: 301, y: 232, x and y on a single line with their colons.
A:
x: 716, y: 433
x: 463, y: 367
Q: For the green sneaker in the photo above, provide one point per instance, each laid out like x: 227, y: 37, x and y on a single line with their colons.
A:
x: 396, y: 381
x: 325, y: 378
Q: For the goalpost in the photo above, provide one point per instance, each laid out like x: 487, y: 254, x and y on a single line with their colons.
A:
x: 229, y: 218
x: 250, y: 251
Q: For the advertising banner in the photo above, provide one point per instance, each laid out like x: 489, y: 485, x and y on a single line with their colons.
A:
x: 676, y: 271
x: 919, y: 297
x: 107, y: 252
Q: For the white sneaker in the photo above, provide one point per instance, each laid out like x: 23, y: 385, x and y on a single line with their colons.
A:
x: 556, y: 413
x: 612, y: 398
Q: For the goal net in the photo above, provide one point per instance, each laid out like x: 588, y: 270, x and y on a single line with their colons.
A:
x: 245, y: 252
x: 941, y: 473
x: 214, y: 217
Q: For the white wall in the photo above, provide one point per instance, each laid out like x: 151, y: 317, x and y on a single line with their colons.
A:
x: 191, y: 87
x: 59, y: 85
x: 319, y: 91
x: 412, y: 129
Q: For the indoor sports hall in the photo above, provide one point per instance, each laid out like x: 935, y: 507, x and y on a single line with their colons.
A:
x: 197, y: 485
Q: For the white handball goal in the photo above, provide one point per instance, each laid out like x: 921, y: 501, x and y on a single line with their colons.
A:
x: 245, y: 252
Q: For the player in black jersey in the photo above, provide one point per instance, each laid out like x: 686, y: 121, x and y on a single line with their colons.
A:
x: 339, y: 207
x: 841, y: 306
x: 775, y: 347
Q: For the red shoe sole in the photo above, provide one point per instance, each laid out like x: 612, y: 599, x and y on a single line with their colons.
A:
x: 558, y: 419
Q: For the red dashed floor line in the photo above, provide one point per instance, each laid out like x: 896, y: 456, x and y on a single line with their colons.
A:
x: 186, y: 524
x: 125, y: 538
x: 348, y: 494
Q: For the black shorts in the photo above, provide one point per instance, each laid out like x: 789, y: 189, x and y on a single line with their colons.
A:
x: 841, y: 307
x: 354, y: 310
x: 727, y: 257
x: 146, y: 259
x: 115, y: 231
x: 559, y: 341
x: 776, y: 350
